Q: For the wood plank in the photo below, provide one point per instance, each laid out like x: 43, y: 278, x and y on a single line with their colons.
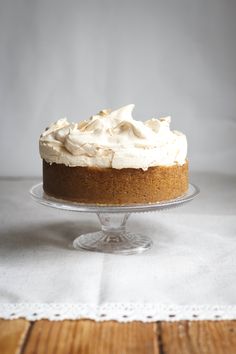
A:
x: 198, y: 337
x: 12, y: 335
x: 85, y: 337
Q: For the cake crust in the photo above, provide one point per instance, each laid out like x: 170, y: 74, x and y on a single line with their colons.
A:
x: 109, y: 186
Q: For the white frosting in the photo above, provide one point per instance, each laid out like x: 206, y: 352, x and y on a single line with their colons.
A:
x: 114, y: 139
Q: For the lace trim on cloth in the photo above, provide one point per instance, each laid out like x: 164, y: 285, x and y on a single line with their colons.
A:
x: 116, y: 311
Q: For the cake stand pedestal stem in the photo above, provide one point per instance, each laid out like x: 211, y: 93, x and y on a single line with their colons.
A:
x: 113, y: 226
x: 113, y: 237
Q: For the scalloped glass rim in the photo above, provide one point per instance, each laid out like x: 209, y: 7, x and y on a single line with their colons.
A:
x: 41, y: 197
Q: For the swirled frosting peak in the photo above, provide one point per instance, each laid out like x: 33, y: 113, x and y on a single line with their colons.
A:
x: 113, y: 139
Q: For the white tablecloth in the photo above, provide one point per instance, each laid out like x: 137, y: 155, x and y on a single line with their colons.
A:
x: 190, y: 273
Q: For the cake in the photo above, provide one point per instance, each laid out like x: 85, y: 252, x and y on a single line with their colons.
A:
x: 113, y: 159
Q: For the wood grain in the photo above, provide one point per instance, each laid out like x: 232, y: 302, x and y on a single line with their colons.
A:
x: 198, y: 337
x: 12, y: 335
x: 110, y: 337
x: 89, y: 337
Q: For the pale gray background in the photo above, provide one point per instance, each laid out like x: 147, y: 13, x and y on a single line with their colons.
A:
x: 72, y: 58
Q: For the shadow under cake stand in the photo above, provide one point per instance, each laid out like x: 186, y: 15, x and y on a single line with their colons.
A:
x: 113, y: 236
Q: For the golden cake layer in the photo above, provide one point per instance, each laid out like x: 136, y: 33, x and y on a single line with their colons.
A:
x: 111, y: 186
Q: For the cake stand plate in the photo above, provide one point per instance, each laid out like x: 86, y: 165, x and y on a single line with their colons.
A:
x: 113, y: 236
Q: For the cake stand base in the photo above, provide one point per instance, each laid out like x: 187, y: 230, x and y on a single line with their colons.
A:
x: 125, y: 243
x: 113, y: 238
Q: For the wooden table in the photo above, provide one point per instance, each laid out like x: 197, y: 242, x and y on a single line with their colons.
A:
x: 85, y: 337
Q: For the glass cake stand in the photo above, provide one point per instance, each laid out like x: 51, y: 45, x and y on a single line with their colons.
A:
x: 113, y: 236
